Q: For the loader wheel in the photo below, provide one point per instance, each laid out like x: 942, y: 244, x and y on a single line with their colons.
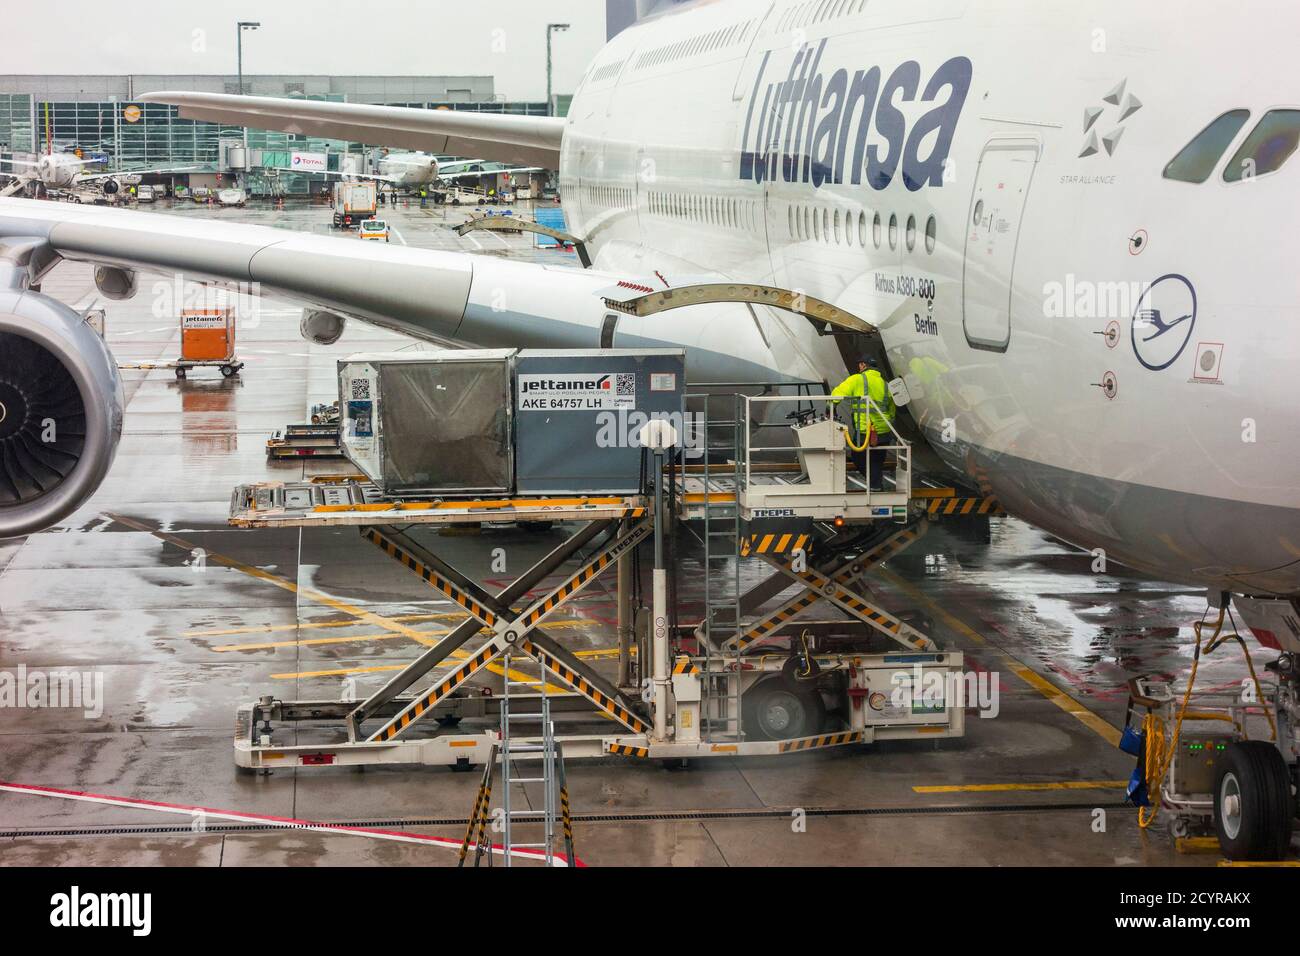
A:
x: 772, y: 711
x: 1253, y: 806
x: 227, y: 371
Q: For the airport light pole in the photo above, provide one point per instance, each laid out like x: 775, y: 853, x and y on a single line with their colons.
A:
x: 240, y: 27
x: 551, y: 28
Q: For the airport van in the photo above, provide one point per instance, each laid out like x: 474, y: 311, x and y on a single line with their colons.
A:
x: 374, y: 230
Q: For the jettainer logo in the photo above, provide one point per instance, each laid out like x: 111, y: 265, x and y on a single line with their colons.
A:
x: 816, y: 126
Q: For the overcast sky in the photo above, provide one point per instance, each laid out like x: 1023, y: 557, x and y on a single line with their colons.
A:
x: 502, y: 38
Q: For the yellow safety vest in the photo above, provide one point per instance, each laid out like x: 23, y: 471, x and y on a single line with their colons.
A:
x: 870, y: 384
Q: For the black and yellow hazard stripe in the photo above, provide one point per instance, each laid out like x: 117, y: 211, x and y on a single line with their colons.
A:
x: 431, y: 577
x: 565, y: 591
x: 566, y: 817
x: 582, y: 578
x: 885, y: 550
x: 824, y: 740
x: 683, y: 665
x: 420, y: 707
x: 627, y: 750
x: 480, y: 801
x: 774, y: 620
x: 584, y: 687
x: 953, y: 507
x: 775, y: 543
x: 863, y: 611
x: 817, y: 583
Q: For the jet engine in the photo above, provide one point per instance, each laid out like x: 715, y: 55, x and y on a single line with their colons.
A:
x: 320, y: 327
x: 60, y: 411
x: 115, y: 283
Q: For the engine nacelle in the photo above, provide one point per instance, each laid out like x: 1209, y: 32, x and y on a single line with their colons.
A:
x: 321, y: 328
x: 61, y: 407
x: 115, y: 283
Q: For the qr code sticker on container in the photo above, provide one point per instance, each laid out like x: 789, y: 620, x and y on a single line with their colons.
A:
x: 360, y: 388
x: 625, y: 384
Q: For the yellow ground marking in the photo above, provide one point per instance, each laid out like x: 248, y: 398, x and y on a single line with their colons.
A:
x: 1031, y: 677
x: 345, y: 671
x: 1259, y: 863
x: 341, y: 606
x: 316, y: 642
x: 1064, y: 701
x: 1005, y: 787
x: 381, y: 636
x: 369, y: 617
x: 601, y: 653
x: 273, y: 628
x: 1197, y: 845
x: 401, y: 618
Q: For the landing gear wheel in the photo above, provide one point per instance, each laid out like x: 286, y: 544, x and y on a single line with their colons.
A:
x: 448, y: 721
x: 1253, y: 806
x: 772, y: 711
x: 227, y: 371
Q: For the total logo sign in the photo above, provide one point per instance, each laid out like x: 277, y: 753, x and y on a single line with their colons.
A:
x: 309, y: 162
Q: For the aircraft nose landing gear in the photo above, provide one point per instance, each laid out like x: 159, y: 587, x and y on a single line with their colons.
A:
x: 1253, y: 805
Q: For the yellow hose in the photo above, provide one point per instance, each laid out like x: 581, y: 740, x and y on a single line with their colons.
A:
x: 1158, y: 755
x: 866, y: 440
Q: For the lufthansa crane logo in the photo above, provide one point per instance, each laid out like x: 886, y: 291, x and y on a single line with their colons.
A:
x: 1164, y: 320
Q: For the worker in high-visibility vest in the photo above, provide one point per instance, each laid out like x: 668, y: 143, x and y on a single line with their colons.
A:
x: 872, y: 424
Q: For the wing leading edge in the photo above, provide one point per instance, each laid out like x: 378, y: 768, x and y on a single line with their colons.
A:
x: 522, y: 140
x: 444, y: 297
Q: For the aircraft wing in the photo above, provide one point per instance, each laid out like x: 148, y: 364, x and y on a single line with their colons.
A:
x: 336, y: 172
x: 525, y: 140
x: 440, y: 296
x: 513, y: 171
x: 82, y: 177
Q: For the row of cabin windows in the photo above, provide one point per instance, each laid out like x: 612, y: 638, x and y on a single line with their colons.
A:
x: 1268, y: 146
x: 703, y: 43
x: 809, y: 224
x: 723, y: 211
x: 805, y: 223
x: 815, y: 12
x: 611, y: 197
x: 607, y: 71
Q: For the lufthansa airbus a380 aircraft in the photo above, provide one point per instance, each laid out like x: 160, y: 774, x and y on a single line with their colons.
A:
x: 1072, y: 233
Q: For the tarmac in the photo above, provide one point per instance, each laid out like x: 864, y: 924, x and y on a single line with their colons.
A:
x: 177, y: 618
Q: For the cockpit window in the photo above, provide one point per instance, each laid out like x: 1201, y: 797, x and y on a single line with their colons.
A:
x: 1269, y: 145
x: 1196, y: 162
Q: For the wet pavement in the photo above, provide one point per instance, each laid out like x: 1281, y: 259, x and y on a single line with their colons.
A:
x: 179, y: 618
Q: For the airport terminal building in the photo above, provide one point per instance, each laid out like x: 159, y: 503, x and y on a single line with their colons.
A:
x: 99, y: 115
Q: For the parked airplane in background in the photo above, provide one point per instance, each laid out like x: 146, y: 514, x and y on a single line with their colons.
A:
x: 1075, y: 248
x: 412, y: 171
x: 64, y: 171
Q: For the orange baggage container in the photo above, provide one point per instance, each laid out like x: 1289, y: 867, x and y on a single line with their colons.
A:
x: 207, y: 335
